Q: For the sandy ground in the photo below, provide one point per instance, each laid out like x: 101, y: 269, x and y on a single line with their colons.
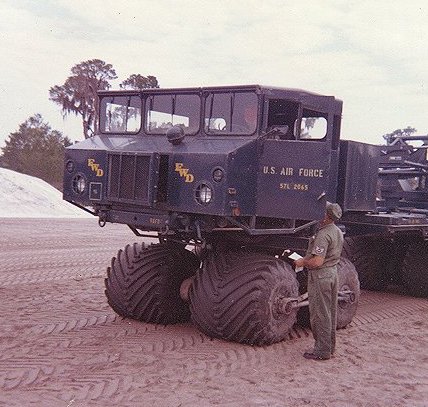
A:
x: 61, y: 344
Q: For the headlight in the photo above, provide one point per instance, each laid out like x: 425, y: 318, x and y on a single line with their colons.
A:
x: 204, y: 194
x: 79, y: 184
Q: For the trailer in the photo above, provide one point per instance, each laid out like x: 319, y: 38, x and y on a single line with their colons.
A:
x: 389, y: 244
x: 231, y: 181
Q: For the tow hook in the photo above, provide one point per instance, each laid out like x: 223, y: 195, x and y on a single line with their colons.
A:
x: 102, y: 220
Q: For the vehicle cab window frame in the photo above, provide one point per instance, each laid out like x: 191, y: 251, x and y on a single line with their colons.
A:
x: 120, y: 114
x: 165, y: 110
x: 231, y: 113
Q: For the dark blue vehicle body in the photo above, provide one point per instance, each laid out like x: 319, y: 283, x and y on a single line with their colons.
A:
x: 272, y: 180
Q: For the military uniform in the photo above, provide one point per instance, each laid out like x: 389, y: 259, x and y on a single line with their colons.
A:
x: 322, y: 257
x: 323, y: 287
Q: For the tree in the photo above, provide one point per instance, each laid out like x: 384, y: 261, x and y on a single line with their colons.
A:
x: 37, y: 150
x: 78, y: 94
x: 391, y: 138
x: 139, y: 82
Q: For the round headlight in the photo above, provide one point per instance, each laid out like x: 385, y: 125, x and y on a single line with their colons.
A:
x: 204, y: 194
x: 218, y: 174
x: 78, y: 184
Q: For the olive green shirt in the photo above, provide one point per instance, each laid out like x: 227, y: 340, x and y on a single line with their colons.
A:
x: 327, y: 243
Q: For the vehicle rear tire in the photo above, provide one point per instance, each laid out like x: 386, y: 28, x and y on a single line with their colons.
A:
x: 303, y: 317
x: 348, y: 281
x: 234, y: 297
x: 143, y: 282
x: 369, y: 255
x: 414, y: 273
x: 398, y: 251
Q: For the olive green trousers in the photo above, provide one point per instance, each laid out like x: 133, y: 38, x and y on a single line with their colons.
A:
x: 322, y: 294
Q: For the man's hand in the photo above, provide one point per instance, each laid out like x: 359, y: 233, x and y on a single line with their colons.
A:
x: 300, y: 262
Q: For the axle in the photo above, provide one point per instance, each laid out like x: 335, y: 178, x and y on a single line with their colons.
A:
x: 285, y: 305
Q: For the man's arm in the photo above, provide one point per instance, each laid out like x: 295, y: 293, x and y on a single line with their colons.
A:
x: 310, y: 262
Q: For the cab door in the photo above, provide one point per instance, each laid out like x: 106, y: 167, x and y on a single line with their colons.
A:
x: 297, y: 168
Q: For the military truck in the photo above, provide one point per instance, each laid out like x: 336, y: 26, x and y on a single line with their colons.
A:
x: 231, y: 181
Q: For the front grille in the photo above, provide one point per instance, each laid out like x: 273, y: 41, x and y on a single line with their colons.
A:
x: 129, y: 177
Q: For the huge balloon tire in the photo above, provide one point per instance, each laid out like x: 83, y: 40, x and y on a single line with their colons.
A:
x: 235, y: 297
x: 143, y: 282
x: 414, y: 273
x: 369, y: 256
x: 303, y: 317
x: 347, y: 281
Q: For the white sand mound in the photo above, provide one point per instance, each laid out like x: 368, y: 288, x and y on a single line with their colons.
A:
x: 23, y: 196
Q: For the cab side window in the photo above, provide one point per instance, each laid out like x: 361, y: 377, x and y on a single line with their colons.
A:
x: 283, y: 114
x: 231, y: 113
x: 313, y: 125
x: 284, y: 122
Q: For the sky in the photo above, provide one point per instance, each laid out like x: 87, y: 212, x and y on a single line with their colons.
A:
x: 23, y: 196
x: 372, y: 54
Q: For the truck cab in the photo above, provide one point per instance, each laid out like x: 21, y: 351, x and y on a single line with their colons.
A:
x: 193, y: 160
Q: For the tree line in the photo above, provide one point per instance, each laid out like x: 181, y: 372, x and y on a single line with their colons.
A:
x: 38, y: 150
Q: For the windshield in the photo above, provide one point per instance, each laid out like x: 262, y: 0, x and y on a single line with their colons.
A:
x: 165, y: 111
x: 120, y: 114
x: 231, y: 113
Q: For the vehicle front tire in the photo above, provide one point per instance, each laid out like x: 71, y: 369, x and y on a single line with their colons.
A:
x: 235, y: 297
x: 143, y: 282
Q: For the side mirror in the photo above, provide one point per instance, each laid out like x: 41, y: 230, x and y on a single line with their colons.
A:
x: 277, y: 133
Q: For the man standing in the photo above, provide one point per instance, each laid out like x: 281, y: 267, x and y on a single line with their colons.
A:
x: 321, y: 260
